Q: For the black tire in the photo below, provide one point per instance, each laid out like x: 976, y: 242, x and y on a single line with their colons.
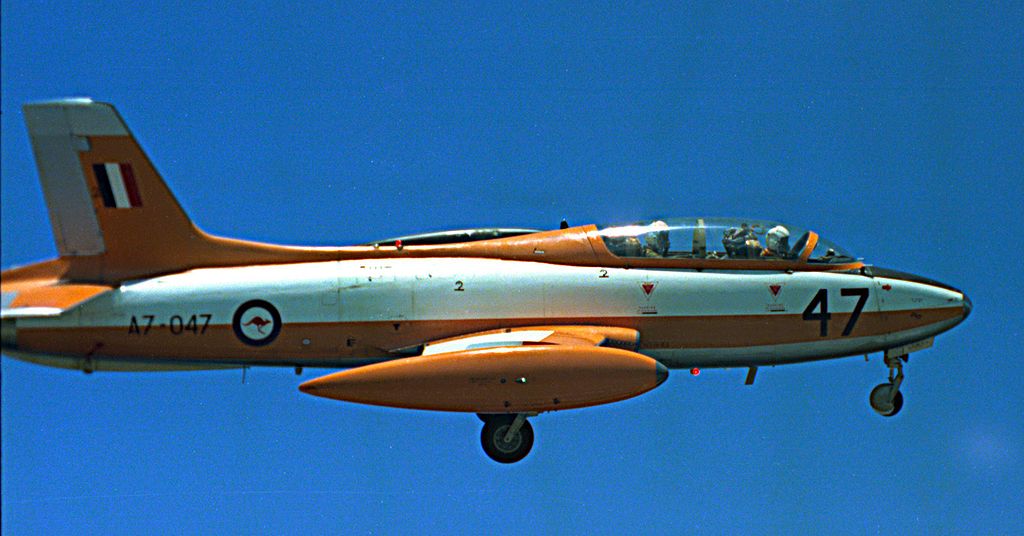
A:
x: 879, y: 400
x: 493, y: 434
x: 897, y: 404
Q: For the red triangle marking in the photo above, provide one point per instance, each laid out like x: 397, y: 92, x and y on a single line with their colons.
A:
x: 775, y: 289
x: 648, y: 288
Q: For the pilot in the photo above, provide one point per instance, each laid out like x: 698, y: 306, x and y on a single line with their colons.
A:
x: 732, y: 242
x: 656, y: 242
x: 752, y: 246
x: 777, y: 242
x: 741, y: 243
x: 624, y: 246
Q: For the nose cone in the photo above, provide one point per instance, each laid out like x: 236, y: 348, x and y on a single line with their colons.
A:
x: 924, y: 294
x: 661, y: 373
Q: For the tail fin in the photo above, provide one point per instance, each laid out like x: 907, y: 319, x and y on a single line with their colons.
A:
x: 106, y: 199
x: 113, y: 216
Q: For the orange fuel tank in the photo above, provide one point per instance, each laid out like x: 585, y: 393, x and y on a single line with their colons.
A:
x: 519, y: 379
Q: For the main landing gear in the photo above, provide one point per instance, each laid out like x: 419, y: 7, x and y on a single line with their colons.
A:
x: 886, y: 398
x: 506, y: 438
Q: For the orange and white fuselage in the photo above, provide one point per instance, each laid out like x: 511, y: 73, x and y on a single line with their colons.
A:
x: 506, y: 323
x: 346, y: 313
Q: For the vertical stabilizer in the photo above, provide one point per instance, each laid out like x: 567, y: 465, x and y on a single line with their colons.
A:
x: 113, y: 216
x: 106, y: 200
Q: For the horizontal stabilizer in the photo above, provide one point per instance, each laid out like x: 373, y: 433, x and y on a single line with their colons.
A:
x: 48, y: 300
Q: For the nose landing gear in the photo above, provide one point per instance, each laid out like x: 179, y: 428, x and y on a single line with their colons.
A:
x: 886, y: 398
x: 506, y: 438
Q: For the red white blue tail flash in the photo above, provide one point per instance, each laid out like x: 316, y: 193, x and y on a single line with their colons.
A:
x: 117, y: 185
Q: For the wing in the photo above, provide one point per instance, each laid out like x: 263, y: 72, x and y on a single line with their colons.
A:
x: 625, y: 338
x: 521, y: 370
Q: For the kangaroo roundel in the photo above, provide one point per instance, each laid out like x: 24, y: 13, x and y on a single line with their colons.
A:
x: 256, y: 322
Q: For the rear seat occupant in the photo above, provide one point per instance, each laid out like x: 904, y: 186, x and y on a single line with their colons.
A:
x: 656, y: 242
x: 741, y: 243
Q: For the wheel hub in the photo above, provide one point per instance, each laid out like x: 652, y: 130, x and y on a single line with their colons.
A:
x: 881, y: 398
x: 507, y: 446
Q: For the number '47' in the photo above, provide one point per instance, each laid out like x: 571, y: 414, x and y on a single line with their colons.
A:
x: 818, y: 309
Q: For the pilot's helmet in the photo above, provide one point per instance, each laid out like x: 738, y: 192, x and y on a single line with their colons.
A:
x: 657, y: 239
x: 777, y: 240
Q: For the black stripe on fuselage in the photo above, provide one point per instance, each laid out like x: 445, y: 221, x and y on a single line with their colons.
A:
x: 104, y: 183
x: 875, y: 271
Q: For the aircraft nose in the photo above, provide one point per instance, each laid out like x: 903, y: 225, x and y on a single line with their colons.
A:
x: 965, y: 302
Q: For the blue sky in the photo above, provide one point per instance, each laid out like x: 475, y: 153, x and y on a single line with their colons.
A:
x: 893, y: 129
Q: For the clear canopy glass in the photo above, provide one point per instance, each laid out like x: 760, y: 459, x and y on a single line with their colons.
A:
x: 720, y: 238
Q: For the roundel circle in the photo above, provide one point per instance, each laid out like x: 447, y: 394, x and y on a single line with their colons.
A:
x: 256, y: 323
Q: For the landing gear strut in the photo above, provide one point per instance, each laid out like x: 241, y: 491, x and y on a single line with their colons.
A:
x: 506, y: 438
x: 886, y: 398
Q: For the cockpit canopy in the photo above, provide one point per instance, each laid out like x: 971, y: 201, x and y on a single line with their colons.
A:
x: 721, y: 238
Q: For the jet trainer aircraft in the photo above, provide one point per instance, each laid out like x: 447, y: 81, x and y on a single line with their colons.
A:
x: 504, y: 323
